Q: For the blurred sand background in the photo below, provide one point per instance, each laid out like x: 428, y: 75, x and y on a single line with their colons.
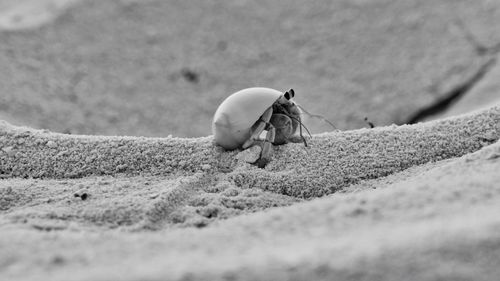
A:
x: 100, y: 183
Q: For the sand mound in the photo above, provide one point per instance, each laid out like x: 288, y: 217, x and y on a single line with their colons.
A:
x: 73, y: 218
x: 332, y: 160
x: 155, y: 182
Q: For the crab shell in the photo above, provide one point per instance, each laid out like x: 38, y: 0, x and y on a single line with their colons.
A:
x: 238, y: 113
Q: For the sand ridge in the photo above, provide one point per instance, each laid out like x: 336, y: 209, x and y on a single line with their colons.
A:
x: 448, y: 213
x: 139, y: 183
x: 332, y: 160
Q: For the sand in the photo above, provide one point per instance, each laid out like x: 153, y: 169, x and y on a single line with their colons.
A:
x: 108, y: 170
x: 330, y: 162
x: 135, y: 212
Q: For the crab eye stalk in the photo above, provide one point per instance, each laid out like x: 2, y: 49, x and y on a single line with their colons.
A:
x: 289, y: 94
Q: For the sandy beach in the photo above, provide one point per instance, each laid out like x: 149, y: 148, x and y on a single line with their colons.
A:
x: 109, y: 171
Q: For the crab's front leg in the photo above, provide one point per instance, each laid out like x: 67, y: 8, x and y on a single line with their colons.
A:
x: 267, y: 147
x: 266, y: 144
x: 258, y: 127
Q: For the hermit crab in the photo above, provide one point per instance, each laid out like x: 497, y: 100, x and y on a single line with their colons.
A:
x: 258, y: 116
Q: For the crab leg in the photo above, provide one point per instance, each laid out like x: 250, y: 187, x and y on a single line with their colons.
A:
x: 265, y: 155
x: 261, y: 125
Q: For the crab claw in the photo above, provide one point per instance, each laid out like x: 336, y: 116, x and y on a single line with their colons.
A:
x: 258, y: 154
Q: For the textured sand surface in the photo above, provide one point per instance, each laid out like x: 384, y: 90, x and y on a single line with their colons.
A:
x: 332, y: 160
x: 89, y: 220
x: 410, y: 202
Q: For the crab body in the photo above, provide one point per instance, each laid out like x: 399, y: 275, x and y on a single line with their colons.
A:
x: 243, y: 116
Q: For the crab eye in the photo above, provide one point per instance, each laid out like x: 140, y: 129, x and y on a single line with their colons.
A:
x: 290, y: 94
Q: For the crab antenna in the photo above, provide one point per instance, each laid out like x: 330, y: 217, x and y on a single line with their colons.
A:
x: 300, y: 130
x: 301, y: 124
x: 316, y: 116
x: 303, y: 139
